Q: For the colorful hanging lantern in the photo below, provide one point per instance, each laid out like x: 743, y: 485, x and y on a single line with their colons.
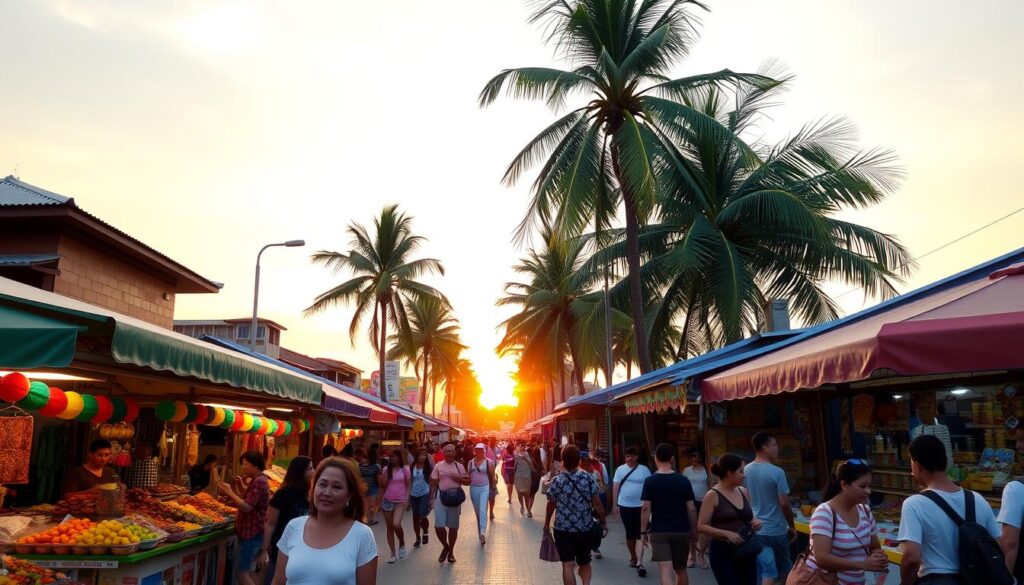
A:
x: 14, y: 387
x: 131, y: 410
x: 57, y: 403
x: 165, y: 410
x: 104, y: 410
x: 120, y: 409
x: 257, y: 424
x: 202, y: 414
x: 247, y: 422
x: 216, y: 416
x: 74, y: 407
x: 37, y: 397
x: 237, y: 422
x: 271, y: 427
x: 191, y: 412
x: 89, y: 408
x: 229, y: 419
x: 288, y: 427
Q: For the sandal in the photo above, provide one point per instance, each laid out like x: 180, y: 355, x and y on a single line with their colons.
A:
x: 451, y: 557
x: 444, y: 555
x: 641, y: 571
x: 631, y: 564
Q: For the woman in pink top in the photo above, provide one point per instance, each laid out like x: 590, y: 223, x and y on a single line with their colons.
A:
x: 843, y: 532
x: 447, y: 475
x: 397, y: 482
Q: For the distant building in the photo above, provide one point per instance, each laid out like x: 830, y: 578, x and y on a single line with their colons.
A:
x: 48, y: 242
x: 333, y: 370
x: 268, y: 333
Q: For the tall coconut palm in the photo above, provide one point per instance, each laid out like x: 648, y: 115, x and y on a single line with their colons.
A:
x: 429, y: 340
x: 383, y: 272
x: 460, y: 382
x: 559, y: 312
x: 736, y: 231
x: 611, y: 149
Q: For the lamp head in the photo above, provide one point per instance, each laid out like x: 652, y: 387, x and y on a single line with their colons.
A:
x: 295, y: 243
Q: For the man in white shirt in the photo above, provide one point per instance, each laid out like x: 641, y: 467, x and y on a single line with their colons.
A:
x: 1011, y: 516
x: 928, y: 537
x: 627, y: 489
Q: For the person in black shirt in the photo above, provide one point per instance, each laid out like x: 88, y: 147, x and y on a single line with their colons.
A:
x: 199, y: 474
x: 668, y: 515
x: 287, y: 504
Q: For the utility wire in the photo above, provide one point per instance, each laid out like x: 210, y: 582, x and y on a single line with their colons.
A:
x: 950, y: 243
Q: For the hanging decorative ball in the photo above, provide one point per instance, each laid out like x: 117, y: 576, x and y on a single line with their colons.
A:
x: 203, y: 413
x: 247, y: 422
x: 180, y: 411
x: 216, y: 416
x: 131, y: 410
x: 257, y: 424
x: 74, y: 407
x: 229, y: 419
x: 57, y: 403
x: 89, y: 408
x: 191, y: 412
x: 272, y: 427
x: 14, y: 387
x: 120, y: 409
x: 165, y: 410
x: 37, y: 397
x: 104, y: 410
x: 237, y: 422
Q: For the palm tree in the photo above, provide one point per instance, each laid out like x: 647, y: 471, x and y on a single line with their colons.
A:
x: 461, y: 381
x: 430, y: 340
x: 612, y: 149
x: 382, y: 267
x: 737, y: 230
x: 559, y: 312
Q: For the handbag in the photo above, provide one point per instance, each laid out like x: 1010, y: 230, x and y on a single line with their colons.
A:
x: 548, y: 550
x: 751, y: 545
x: 803, y: 574
x: 453, y: 497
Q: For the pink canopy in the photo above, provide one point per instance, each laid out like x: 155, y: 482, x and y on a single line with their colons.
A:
x: 974, y: 327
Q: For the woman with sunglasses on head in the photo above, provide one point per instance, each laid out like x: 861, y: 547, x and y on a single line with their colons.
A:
x: 844, y: 537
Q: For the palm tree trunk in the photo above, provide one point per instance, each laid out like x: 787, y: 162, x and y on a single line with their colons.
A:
x: 551, y: 386
x: 448, y: 393
x: 383, y: 348
x: 576, y: 371
x: 433, y: 398
x: 426, y: 376
x: 629, y: 369
x: 683, y: 351
x: 636, y: 298
x: 561, y: 380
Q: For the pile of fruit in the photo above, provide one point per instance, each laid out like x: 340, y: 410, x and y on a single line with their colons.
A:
x: 137, y: 495
x: 206, y: 503
x: 83, y: 504
x: 59, y: 537
x: 109, y: 533
x: 19, y: 572
x: 174, y: 532
x: 188, y: 526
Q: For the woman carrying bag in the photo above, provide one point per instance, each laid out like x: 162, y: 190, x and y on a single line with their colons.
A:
x: 728, y: 519
x: 844, y: 536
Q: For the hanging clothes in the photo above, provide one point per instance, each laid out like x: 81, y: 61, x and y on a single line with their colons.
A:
x: 50, y: 463
x: 191, y: 446
x: 270, y: 451
x: 164, y: 447
x: 15, y: 448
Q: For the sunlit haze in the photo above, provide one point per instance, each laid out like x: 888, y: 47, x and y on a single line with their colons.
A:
x: 207, y: 129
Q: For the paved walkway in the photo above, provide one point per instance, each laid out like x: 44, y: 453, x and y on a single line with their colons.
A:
x: 510, y: 556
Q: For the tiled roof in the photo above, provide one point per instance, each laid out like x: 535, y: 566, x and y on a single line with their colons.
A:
x: 16, y: 192
x: 303, y: 361
x: 27, y: 259
x: 339, y: 365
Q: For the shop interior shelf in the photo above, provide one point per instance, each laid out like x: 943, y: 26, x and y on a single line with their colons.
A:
x: 992, y: 499
x: 898, y: 470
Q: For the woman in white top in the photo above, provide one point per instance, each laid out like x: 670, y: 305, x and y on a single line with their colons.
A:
x: 700, y: 479
x: 843, y: 531
x: 330, y: 546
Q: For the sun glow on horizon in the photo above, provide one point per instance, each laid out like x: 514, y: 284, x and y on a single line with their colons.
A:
x: 497, y: 381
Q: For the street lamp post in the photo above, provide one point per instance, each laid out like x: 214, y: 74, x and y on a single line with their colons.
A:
x: 256, y: 288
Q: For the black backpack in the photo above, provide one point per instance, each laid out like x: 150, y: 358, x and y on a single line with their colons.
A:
x: 981, y: 558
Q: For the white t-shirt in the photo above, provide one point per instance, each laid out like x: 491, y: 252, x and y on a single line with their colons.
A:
x: 926, y: 524
x: 326, y: 566
x: 631, y: 489
x: 699, y: 480
x: 1011, y: 510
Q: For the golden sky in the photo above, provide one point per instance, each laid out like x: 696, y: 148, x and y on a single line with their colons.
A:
x: 207, y: 129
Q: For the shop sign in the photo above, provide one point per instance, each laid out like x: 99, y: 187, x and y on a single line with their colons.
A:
x: 73, y: 564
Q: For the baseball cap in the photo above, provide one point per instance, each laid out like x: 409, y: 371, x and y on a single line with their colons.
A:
x: 480, y: 446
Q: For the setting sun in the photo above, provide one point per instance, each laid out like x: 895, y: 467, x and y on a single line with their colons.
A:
x: 497, y: 381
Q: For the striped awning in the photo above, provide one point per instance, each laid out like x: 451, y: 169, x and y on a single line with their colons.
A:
x: 660, y: 399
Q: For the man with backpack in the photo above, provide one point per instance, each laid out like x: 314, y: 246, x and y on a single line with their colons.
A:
x: 948, y: 535
x: 627, y: 487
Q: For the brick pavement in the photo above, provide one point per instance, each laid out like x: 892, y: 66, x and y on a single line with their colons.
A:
x: 510, y: 556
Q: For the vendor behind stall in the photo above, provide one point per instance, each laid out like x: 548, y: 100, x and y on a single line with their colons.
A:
x: 199, y: 474
x: 95, y: 472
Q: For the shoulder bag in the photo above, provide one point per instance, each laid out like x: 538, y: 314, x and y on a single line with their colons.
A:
x: 803, y: 574
x: 751, y: 545
x: 453, y: 497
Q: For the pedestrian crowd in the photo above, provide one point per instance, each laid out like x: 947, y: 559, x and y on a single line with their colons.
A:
x: 733, y: 517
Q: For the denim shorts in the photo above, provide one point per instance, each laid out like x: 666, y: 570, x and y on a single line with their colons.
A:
x: 420, y: 505
x: 247, y: 551
x: 774, y: 561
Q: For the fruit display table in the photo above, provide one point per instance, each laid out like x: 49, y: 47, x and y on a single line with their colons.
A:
x: 202, y: 560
